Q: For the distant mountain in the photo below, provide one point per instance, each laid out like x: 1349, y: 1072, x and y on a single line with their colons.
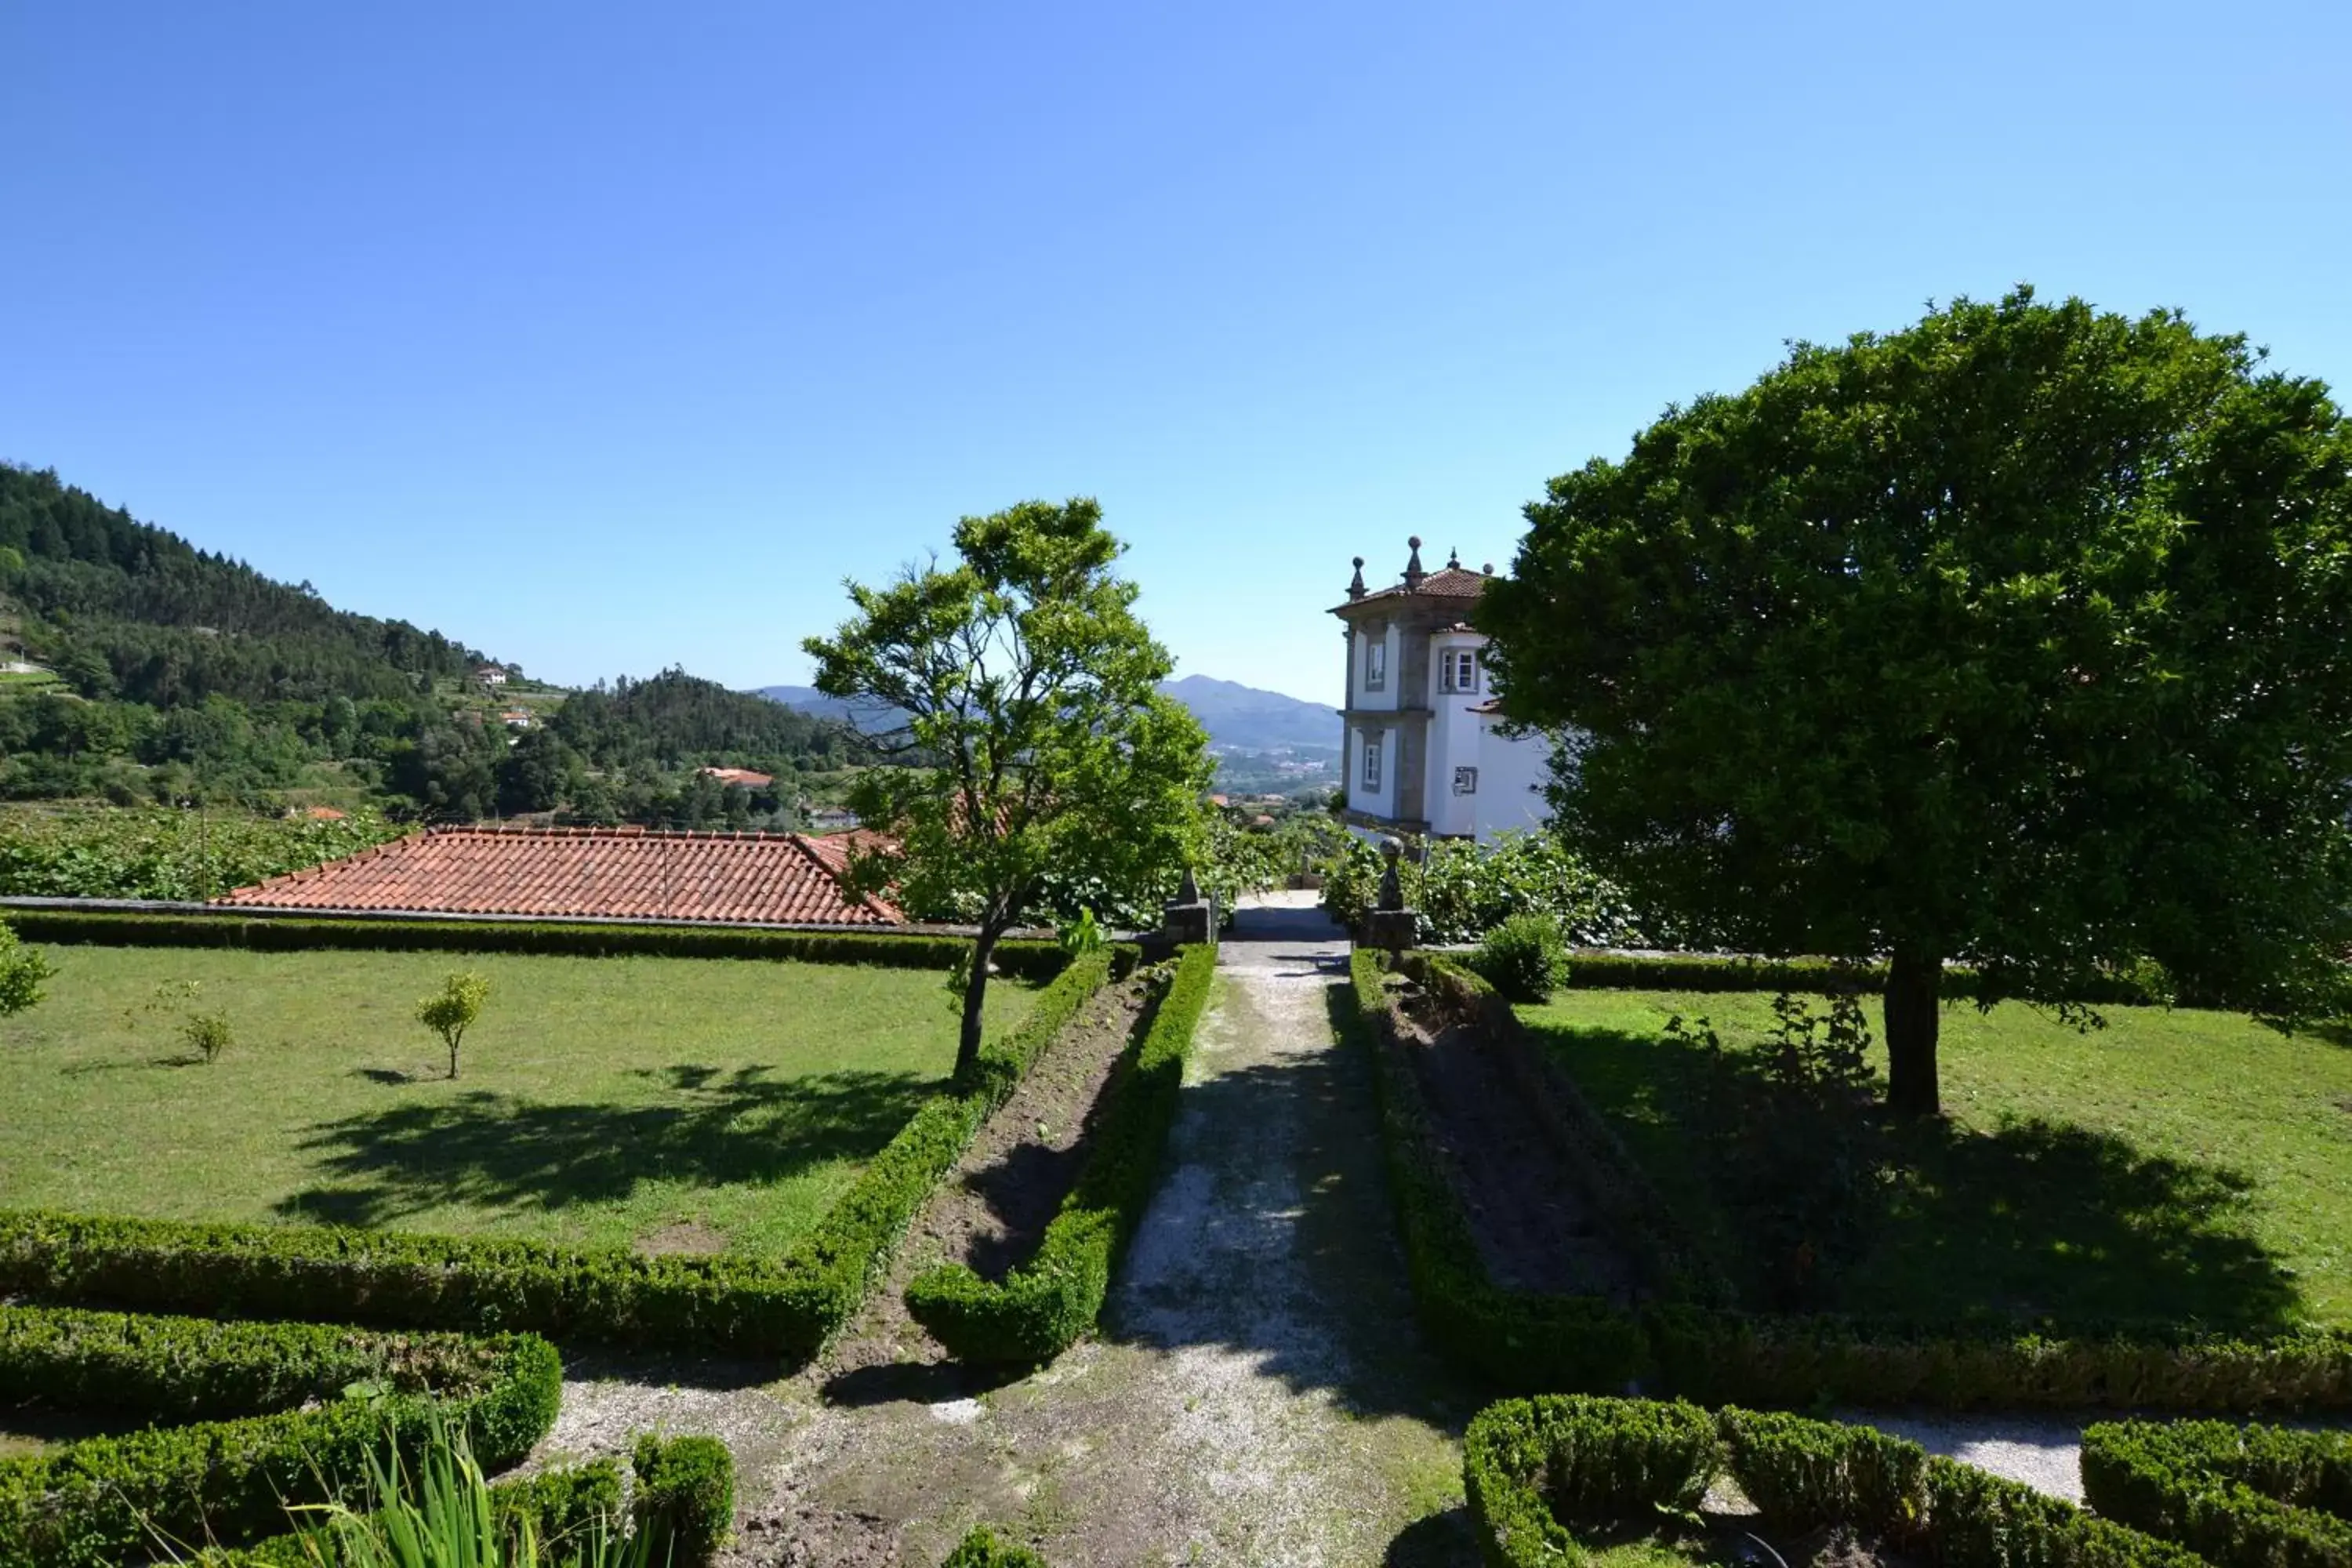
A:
x: 867, y: 716
x: 1238, y: 718
x: 1243, y: 719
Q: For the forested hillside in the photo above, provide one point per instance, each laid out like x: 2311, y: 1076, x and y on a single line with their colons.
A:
x: 145, y: 669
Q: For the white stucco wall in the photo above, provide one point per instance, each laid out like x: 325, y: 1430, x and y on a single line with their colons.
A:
x: 1453, y: 740
x: 1512, y: 773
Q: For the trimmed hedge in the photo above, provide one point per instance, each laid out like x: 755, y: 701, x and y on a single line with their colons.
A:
x: 2242, y: 1496
x: 1715, y: 972
x: 568, y: 1506
x: 1043, y: 1307
x: 1697, y: 1350
x: 980, y: 1549
x: 1515, y: 1338
x: 744, y: 1306
x: 1026, y: 960
x: 686, y: 1493
x: 93, y: 1503
x: 1534, y: 1467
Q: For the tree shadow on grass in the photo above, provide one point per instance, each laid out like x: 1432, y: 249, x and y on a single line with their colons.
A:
x: 493, y: 1152
x: 2028, y: 1221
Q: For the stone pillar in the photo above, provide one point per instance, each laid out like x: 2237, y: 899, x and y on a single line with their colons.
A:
x: 1389, y: 925
x: 1191, y: 916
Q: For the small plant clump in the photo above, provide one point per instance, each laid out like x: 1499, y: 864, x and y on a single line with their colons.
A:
x: 205, y: 1034
x: 21, y: 971
x: 452, y: 1010
x: 1524, y: 958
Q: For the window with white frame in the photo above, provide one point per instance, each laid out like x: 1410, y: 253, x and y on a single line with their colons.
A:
x: 1376, y: 663
x: 1465, y: 781
x: 1458, y: 670
x: 1371, y: 767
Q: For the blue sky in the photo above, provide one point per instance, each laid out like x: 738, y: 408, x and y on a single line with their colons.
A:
x: 607, y: 338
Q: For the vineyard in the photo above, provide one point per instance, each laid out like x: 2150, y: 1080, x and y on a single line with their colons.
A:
x: 103, y: 853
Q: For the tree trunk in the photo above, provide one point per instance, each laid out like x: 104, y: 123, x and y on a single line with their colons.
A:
x: 453, y: 1058
x: 975, y: 993
x: 1914, y: 981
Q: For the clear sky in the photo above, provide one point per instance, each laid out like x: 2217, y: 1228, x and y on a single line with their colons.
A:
x: 606, y: 338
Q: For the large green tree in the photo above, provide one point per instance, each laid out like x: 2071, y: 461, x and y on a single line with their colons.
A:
x: 1032, y: 746
x: 2022, y: 636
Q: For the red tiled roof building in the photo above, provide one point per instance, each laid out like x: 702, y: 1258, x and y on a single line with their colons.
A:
x: 734, y: 879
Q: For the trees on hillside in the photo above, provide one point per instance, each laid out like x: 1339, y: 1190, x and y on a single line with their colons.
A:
x: 1027, y: 684
x: 2022, y: 636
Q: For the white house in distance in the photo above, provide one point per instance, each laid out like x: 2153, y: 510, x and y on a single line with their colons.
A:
x: 1421, y: 753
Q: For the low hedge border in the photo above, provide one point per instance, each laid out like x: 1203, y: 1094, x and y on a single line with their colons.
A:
x: 1625, y: 1202
x: 1603, y: 970
x: 94, y: 1503
x: 980, y: 1549
x: 685, y: 1497
x: 1529, y: 1464
x: 1024, y: 960
x: 787, y: 1308
x: 1524, y: 1341
x: 1041, y: 1308
x: 1512, y: 1338
x: 2242, y: 1496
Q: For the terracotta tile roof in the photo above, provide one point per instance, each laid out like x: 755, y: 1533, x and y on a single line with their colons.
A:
x: 744, y: 776
x: 616, y: 873
x: 1445, y: 582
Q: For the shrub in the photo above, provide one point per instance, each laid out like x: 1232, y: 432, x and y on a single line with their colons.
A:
x: 2252, y: 1497
x: 98, y: 1501
x: 740, y: 1305
x: 1041, y: 1308
x: 980, y: 1549
x: 1463, y: 890
x: 452, y: 1010
x: 686, y: 1497
x: 1537, y: 1469
x: 21, y: 971
x: 207, y: 1034
x: 1524, y: 958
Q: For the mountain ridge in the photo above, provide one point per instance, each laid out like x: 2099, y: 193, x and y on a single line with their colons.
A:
x: 1238, y: 718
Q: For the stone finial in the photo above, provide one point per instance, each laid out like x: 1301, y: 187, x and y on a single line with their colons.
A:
x: 1189, y: 893
x: 1454, y: 561
x: 1488, y: 570
x: 1412, y: 572
x: 1356, y: 584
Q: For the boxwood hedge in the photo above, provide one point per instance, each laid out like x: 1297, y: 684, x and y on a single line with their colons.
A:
x: 2242, y: 1496
x: 1027, y: 960
x: 1539, y: 1471
x: 1685, y: 1341
x: 287, y: 1413
x: 786, y: 1308
x: 1043, y: 1306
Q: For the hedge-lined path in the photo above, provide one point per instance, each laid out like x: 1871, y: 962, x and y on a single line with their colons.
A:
x: 1260, y: 1397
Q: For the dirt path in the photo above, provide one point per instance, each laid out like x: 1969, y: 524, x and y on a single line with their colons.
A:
x: 1261, y: 1397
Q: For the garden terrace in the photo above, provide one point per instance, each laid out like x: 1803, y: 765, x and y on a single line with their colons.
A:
x: 661, y: 1103
x: 2180, y: 1167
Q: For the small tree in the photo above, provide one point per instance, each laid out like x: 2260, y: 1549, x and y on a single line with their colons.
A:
x: 21, y: 971
x: 451, y: 1011
x: 1032, y: 748
x: 2017, y: 637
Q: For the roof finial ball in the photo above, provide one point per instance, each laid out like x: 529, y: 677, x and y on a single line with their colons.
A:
x: 1454, y: 561
x: 1412, y: 572
x: 1356, y: 584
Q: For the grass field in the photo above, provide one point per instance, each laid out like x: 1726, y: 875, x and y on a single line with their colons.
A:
x: 671, y: 1102
x: 2186, y: 1165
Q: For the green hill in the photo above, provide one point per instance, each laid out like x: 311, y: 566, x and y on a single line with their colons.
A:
x: 161, y: 672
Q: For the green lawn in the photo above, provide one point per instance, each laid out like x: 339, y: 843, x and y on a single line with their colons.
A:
x: 675, y: 1101
x: 2188, y: 1165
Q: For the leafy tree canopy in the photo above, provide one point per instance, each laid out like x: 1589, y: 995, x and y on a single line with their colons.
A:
x: 1028, y: 686
x: 2022, y: 636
